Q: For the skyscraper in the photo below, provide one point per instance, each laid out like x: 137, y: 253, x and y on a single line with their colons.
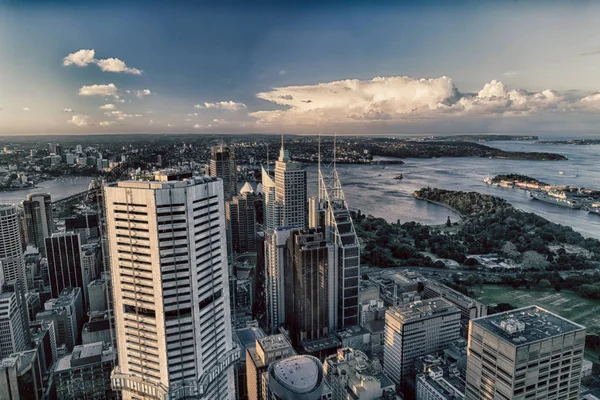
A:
x: 524, y: 353
x: 11, y: 249
x: 169, y: 273
x: 258, y: 358
x: 222, y: 165
x: 271, y: 207
x: 242, y: 218
x: 417, y: 329
x: 37, y: 209
x: 12, y: 332
x: 307, y: 302
x: 290, y: 190
x: 65, y: 265
x: 276, y: 271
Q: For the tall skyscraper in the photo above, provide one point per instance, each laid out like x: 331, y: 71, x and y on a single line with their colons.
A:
x: 340, y: 231
x: 242, y: 218
x: 12, y: 332
x: 271, y: 207
x: 37, y: 210
x: 258, y: 358
x: 524, y: 353
x: 169, y: 274
x: 276, y: 271
x: 222, y: 165
x: 416, y: 329
x: 307, y: 301
x: 290, y: 190
x: 65, y: 264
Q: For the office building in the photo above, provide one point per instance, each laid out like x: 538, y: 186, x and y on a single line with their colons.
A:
x: 307, y: 301
x: 21, y: 377
x: 441, y: 378
x: 97, y: 293
x: 12, y: 327
x: 91, y: 260
x: 11, y: 248
x: 258, y: 358
x: 37, y: 212
x: 65, y: 265
x: 84, y: 374
x: 297, y: 378
x: 245, y: 338
x: 97, y: 329
x: 351, y: 374
x: 524, y: 353
x: 340, y: 231
x: 276, y: 260
x: 416, y: 329
x: 66, y: 312
x: 170, y: 281
x: 271, y: 206
x: 290, y: 190
x: 242, y: 219
x: 86, y: 225
x: 43, y: 336
x: 222, y: 165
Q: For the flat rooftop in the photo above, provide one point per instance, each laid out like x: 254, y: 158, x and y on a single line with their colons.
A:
x: 273, y: 342
x: 526, y: 325
x: 165, y: 181
x: 247, y: 336
x: 423, y: 309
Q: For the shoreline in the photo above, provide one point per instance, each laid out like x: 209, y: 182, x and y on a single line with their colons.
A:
x: 446, y: 206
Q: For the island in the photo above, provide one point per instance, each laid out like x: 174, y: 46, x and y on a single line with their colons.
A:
x: 578, y: 142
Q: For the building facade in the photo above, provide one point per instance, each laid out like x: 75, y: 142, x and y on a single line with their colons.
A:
x: 258, y: 358
x: 290, y: 191
x: 524, y: 353
x: 276, y: 260
x: 12, y: 332
x: 222, y: 165
x: 65, y: 264
x: 37, y: 211
x: 167, y: 245
x: 297, y: 378
x: 242, y: 219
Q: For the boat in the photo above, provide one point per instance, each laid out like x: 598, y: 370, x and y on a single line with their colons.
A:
x: 594, y: 211
x: 558, y: 198
x: 561, y: 173
x: 399, y: 177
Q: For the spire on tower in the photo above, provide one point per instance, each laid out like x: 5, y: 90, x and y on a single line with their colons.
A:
x: 283, y: 154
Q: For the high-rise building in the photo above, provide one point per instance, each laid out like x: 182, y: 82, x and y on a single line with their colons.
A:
x: 271, y: 207
x: 242, y: 219
x: 97, y: 329
x: 21, y: 377
x: 340, y: 231
x: 258, y: 358
x: 43, y: 336
x: 65, y: 264
x: 37, y: 210
x: 276, y: 260
x: 246, y: 339
x: 524, y: 353
x: 290, y: 190
x: 11, y: 248
x: 85, y: 373
x: 307, y: 311
x: 170, y: 282
x: 297, y: 378
x: 97, y: 291
x: 417, y: 329
x: 351, y: 374
x: 66, y: 312
x: 12, y: 331
x: 222, y: 165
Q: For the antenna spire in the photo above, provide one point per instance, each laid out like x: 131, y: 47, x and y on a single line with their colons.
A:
x: 334, y: 146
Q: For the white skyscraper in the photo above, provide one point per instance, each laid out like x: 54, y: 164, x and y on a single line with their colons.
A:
x: 275, y: 265
x: 271, y: 208
x: 290, y: 190
x: 11, y: 249
x: 169, y: 268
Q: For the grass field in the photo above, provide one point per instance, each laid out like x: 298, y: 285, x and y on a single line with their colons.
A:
x: 566, y: 304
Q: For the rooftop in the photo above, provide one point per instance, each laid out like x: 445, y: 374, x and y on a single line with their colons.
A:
x: 166, y: 180
x: 299, y: 374
x: 422, y: 309
x: 526, y: 325
x: 247, y: 336
x: 273, y: 342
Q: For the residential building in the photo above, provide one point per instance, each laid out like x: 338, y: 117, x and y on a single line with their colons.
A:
x: 170, y: 277
x: 37, y: 211
x: 290, y: 190
x: 84, y: 374
x: 524, y: 353
x: 416, y: 329
x: 351, y: 374
x: 242, y: 219
x: 297, y: 378
x: 307, y: 301
x: 258, y: 358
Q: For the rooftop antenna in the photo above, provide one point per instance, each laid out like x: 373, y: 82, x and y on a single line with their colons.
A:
x: 319, y: 166
x: 334, y: 146
x: 267, y: 156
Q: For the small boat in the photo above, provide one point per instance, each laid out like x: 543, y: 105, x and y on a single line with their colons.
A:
x: 561, y: 173
x: 399, y: 177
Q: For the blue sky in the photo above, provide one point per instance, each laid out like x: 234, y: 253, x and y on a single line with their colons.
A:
x: 306, y: 67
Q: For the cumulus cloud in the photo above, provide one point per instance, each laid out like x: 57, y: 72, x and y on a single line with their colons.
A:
x: 68, y: 110
x: 99, y: 90
x: 83, y: 57
x: 591, y: 101
x: 80, y: 58
x: 108, y: 107
x: 223, y: 105
x: 139, y: 93
x: 108, y: 123
x: 79, y: 120
x: 398, y: 98
x: 197, y: 126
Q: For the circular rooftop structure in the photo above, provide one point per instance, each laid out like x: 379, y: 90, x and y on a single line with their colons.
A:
x: 297, y: 377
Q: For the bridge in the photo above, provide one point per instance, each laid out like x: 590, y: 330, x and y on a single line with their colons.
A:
x: 78, y: 197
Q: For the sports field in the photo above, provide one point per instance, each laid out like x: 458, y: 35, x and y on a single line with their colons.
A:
x: 566, y: 304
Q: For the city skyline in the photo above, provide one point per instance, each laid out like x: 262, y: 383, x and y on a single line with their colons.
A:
x: 395, y: 68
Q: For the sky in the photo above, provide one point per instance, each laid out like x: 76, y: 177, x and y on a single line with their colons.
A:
x: 402, y: 67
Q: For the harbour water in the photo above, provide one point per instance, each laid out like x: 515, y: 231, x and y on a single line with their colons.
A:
x: 372, y: 189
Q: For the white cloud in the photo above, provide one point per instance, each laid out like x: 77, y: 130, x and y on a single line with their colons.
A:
x: 197, y: 126
x: 80, y: 58
x: 116, y: 65
x: 79, y: 120
x: 107, y: 123
x: 26, y: 109
x: 83, y: 57
x: 99, y: 90
x: 223, y: 105
x: 68, y: 110
x: 219, y: 120
x: 509, y: 74
x: 591, y: 101
x: 139, y: 93
x: 120, y: 115
x: 108, y: 107
x: 398, y: 98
